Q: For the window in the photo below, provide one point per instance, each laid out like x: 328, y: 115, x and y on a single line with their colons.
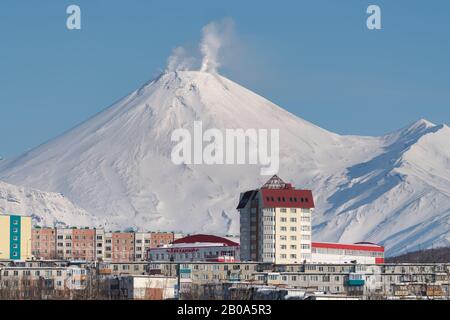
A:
x: 283, y: 210
x: 293, y: 210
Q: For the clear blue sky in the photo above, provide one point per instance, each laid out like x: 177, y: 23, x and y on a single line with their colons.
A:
x: 315, y: 58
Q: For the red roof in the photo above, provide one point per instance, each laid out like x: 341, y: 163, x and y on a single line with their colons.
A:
x: 287, y: 198
x: 370, y: 247
x: 204, y: 238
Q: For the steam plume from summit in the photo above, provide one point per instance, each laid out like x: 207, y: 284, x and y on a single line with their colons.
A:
x: 216, y: 36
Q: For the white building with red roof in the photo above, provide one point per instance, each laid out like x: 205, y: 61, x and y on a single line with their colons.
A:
x: 199, y: 247
x: 276, y: 228
x: 361, y: 252
x: 276, y: 223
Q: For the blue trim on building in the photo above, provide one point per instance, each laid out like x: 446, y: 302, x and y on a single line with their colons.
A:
x: 14, y: 237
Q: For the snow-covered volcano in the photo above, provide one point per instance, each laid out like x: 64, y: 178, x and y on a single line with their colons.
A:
x: 117, y: 166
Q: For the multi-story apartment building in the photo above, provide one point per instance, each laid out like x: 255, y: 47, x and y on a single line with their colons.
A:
x: 141, y: 244
x: 83, y: 244
x: 43, y: 243
x: 158, y: 239
x: 15, y: 237
x: 276, y: 223
x: 100, y: 245
x: 122, y: 246
x: 147, y: 240
x: 90, y: 244
x: 64, y: 244
x: 107, y: 251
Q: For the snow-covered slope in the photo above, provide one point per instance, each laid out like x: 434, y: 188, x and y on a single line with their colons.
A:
x: 45, y: 208
x: 400, y: 198
x: 117, y: 166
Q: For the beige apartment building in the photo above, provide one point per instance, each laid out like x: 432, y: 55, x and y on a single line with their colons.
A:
x: 276, y: 223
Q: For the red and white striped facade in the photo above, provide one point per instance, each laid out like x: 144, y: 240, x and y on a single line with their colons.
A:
x: 365, y: 252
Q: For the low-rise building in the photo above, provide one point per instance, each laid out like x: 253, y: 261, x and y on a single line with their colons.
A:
x: 143, y: 287
x: 363, y: 253
x: 197, y: 248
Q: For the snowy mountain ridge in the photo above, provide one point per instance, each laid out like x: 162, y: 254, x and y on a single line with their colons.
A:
x: 392, y: 189
x: 45, y: 208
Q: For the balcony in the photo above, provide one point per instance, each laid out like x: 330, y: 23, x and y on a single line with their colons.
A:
x: 355, y: 282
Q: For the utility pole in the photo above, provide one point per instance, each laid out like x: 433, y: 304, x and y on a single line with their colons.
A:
x: 178, y: 282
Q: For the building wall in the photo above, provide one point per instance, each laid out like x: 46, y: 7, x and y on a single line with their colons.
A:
x: 92, y: 244
x: 122, y: 246
x: 160, y: 238
x: 43, y: 243
x: 244, y: 216
x: 83, y: 244
x: 142, y: 244
x: 15, y: 237
x: 25, y: 238
x: 293, y: 235
x: 100, y: 244
x: 184, y: 254
x: 347, y: 253
x: 4, y: 237
x: 64, y: 244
